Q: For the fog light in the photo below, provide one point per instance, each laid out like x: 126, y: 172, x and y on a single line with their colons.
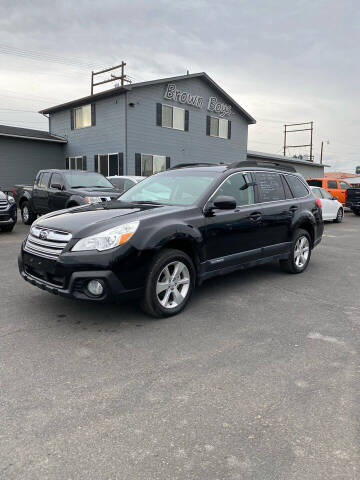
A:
x: 95, y: 287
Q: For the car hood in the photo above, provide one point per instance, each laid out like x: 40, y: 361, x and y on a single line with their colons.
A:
x: 91, y: 219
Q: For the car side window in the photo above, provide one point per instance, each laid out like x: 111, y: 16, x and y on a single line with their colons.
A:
x: 317, y: 192
x: 270, y: 187
x: 332, y: 184
x: 44, y: 180
x: 297, y: 187
x: 344, y: 185
x: 38, y: 180
x: 236, y: 186
x: 57, y: 179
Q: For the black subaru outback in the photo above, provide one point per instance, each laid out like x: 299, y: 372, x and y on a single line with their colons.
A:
x: 172, y: 231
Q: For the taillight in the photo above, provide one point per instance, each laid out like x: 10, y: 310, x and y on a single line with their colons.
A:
x: 318, y: 202
x: 13, y: 191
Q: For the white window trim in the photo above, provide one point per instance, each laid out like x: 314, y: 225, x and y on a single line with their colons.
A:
x: 218, y: 136
x: 75, y: 158
x: 172, y: 118
x: 108, y: 162
x: 78, y: 108
x: 151, y: 155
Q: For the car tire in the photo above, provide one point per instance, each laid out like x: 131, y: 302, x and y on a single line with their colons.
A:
x: 27, y: 215
x: 300, y: 253
x: 339, y: 216
x: 7, y: 228
x: 167, y: 293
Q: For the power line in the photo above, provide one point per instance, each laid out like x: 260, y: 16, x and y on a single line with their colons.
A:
x: 44, y: 57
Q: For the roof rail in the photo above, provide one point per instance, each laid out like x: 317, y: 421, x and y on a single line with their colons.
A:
x: 263, y: 164
x: 201, y: 164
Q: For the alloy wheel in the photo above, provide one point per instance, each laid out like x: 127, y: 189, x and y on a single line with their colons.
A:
x: 173, y: 284
x: 302, y: 251
x: 340, y: 215
x: 25, y: 213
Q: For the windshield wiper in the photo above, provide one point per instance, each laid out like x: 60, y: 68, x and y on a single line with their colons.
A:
x: 79, y: 186
x: 146, y: 202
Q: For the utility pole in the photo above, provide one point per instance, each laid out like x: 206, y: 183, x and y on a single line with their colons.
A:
x: 321, y: 154
x: 309, y: 128
x: 123, y: 78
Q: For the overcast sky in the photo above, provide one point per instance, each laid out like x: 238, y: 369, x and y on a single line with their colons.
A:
x: 283, y: 61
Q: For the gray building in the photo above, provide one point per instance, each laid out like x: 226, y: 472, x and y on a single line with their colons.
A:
x: 140, y: 129
x: 23, y: 152
x: 146, y: 127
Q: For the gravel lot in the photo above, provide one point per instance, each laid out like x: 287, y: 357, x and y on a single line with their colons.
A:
x: 257, y: 379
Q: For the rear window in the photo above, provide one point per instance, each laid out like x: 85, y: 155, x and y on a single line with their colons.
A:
x: 297, y: 187
x: 332, y: 184
x: 315, y: 183
x: 270, y: 187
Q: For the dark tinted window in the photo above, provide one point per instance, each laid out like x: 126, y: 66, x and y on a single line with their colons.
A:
x: 332, y: 184
x: 232, y: 187
x: 44, y: 180
x: 315, y: 183
x: 57, y: 179
x: 270, y: 186
x: 297, y: 187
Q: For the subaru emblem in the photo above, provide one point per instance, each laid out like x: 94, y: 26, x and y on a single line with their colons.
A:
x: 43, y: 234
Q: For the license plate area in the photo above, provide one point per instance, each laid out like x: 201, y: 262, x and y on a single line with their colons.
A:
x: 40, y: 264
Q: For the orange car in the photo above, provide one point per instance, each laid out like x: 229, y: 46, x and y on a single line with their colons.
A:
x: 336, y: 187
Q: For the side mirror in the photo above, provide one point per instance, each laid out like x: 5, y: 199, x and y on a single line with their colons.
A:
x: 223, y: 202
x: 56, y: 186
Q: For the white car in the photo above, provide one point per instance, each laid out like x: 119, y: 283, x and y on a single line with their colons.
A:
x: 123, y: 182
x: 332, y: 209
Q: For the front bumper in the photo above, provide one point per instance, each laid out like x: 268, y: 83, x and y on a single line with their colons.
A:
x: 75, y: 285
x: 8, y: 216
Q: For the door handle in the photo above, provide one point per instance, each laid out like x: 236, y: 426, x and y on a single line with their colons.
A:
x: 293, y: 209
x: 255, y: 217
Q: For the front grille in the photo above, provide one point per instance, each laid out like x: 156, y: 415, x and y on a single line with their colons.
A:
x: 46, y: 243
x: 3, y: 205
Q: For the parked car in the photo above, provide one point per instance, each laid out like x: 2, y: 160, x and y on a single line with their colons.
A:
x: 123, y: 183
x: 58, y: 189
x: 8, y: 212
x: 337, y: 188
x: 353, y: 200
x: 172, y: 231
x: 331, y: 208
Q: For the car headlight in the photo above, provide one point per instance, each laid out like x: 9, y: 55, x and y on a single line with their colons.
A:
x: 107, y: 239
x: 10, y: 199
x: 93, y: 199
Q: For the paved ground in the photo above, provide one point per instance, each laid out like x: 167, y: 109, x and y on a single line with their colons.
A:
x: 257, y: 379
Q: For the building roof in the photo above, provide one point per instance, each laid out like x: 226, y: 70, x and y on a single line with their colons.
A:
x: 340, y: 175
x: 127, y: 88
x: 29, y: 134
x: 280, y: 158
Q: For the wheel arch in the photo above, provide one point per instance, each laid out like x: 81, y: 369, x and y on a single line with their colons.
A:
x: 308, y: 225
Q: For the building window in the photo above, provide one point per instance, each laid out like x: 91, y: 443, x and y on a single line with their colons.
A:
x: 172, y: 117
x: 82, y: 117
x: 218, y: 127
x: 76, y: 163
x: 109, y: 164
x: 146, y: 165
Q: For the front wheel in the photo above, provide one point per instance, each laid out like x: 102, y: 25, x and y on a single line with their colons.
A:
x: 339, y: 216
x: 27, y: 215
x: 300, y: 253
x: 169, y: 284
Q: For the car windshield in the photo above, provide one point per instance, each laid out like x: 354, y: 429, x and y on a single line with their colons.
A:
x: 87, y: 180
x: 171, y: 188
